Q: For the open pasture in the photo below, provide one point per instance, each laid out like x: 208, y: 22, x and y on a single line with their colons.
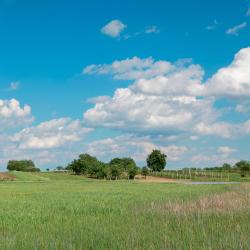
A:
x: 62, y: 211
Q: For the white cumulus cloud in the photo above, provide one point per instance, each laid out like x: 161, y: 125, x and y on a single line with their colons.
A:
x: 226, y: 151
x: 113, y: 28
x: 233, y: 80
x: 131, y: 146
x: 51, y: 134
x: 131, y: 68
x: 12, y: 114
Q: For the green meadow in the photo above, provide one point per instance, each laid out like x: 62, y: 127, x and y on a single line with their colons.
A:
x: 62, y: 211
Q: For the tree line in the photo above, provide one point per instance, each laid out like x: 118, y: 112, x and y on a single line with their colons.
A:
x: 123, y: 168
x: 117, y: 168
x: 241, y: 166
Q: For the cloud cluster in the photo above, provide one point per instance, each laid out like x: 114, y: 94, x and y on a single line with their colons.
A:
x: 132, y: 111
x: 165, y: 103
x: 233, y: 80
x: 170, y: 98
x: 130, y: 69
x: 223, y: 154
x: 51, y: 134
x: 56, y: 141
x: 115, y: 28
x: 12, y: 114
x: 129, y: 145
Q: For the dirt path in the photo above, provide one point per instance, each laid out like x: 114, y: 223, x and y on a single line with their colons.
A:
x: 152, y: 179
x: 6, y: 177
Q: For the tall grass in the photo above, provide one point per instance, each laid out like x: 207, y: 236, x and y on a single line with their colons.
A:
x: 70, y: 212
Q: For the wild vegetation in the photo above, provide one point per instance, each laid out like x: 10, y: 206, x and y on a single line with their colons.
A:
x: 117, y: 168
x: 22, y: 165
x: 126, y: 168
x: 65, y: 211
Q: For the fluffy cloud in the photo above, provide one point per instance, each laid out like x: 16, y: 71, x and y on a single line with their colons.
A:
x: 57, y: 141
x: 220, y: 129
x: 113, y: 28
x: 161, y: 100
x: 170, y: 98
x: 245, y: 128
x: 51, y: 134
x: 132, y: 146
x: 12, y: 114
x: 226, y: 151
x: 216, y: 157
x: 234, y: 80
x: 243, y: 107
x: 178, y: 82
x: 212, y: 160
x: 235, y: 30
x: 130, y: 69
x: 133, y: 111
x: 182, y: 79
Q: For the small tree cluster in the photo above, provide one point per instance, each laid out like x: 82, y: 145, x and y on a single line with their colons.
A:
x: 122, y: 166
x: 117, y: 168
x: 23, y: 165
x: 244, y: 167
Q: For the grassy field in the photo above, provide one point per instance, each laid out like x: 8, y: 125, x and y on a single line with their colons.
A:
x: 61, y: 211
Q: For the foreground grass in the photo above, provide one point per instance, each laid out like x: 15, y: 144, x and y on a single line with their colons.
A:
x: 59, y: 211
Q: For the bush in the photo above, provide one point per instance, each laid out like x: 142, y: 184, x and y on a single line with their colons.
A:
x: 123, y: 166
x: 23, y: 165
x: 89, y: 165
x: 144, y: 171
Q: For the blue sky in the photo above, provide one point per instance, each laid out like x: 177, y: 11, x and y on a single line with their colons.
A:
x: 179, y: 81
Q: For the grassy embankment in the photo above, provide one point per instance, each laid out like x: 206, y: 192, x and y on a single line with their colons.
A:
x: 60, y: 211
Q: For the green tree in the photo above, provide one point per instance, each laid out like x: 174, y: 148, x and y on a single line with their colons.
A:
x: 132, y: 172
x: 244, y: 167
x: 77, y: 167
x: 226, y: 166
x: 60, y: 168
x: 144, y: 171
x: 22, y: 165
x: 114, y: 171
x: 124, y: 165
x: 89, y: 165
x: 156, y: 161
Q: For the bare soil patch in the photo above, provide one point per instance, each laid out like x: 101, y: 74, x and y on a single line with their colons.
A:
x: 152, y: 179
x: 6, y: 177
